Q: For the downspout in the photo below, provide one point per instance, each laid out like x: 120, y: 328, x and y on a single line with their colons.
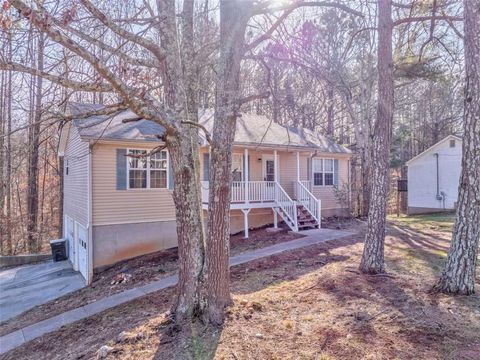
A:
x: 438, y: 195
x: 89, y: 202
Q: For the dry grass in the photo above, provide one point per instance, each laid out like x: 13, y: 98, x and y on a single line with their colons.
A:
x: 305, y: 304
x: 140, y: 270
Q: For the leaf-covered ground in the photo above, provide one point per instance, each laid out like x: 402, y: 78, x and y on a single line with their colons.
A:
x: 305, y: 304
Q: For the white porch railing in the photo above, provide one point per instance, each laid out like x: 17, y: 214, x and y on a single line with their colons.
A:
x: 257, y: 191
x: 288, y: 206
x: 307, y: 184
x: 261, y: 192
x: 308, y: 200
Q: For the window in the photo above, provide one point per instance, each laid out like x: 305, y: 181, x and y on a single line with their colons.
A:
x: 452, y: 143
x: 323, y: 170
x: 147, y: 171
x: 237, y: 167
x: 158, y: 170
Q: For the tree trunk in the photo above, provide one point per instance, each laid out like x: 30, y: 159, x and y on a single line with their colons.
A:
x: 233, y: 21
x: 180, y: 82
x: 183, y: 149
x: 373, y: 252
x: 33, y: 150
x: 8, y: 168
x: 458, y: 276
x: 330, y: 110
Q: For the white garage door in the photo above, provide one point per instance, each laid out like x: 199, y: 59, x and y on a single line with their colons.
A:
x: 82, y: 249
x: 70, y: 236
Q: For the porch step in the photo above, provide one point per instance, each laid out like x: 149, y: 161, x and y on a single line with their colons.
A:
x: 304, y: 219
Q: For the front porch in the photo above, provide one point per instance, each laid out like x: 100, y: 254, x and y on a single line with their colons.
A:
x: 289, y: 197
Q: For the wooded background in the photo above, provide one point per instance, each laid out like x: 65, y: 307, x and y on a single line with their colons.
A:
x: 319, y: 66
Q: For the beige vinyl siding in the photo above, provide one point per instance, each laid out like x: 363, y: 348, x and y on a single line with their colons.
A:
x: 287, y: 163
x: 75, y: 202
x: 112, y: 206
x: 326, y: 193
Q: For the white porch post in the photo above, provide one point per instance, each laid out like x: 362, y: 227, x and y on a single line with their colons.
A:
x: 245, y: 221
x: 275, y: 165
x: 245, y: 165
x: 275, y: 219
x: 298, y: 166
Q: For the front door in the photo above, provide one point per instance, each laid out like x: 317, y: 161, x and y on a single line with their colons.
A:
x: 269, y: 170
x: 269, y: 175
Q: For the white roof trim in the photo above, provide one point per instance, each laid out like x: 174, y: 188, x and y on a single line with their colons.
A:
x: 433, y: 146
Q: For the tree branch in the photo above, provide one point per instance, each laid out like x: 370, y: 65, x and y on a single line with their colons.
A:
x: 264, y: 10
x: 147, y: 44
x: 246, y: 99
x: 208, y: 137
x: 74, y: 85
x: 427, y: 18
x: 144, y: 106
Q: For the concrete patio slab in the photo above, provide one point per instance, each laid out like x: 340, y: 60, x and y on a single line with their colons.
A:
x: 17, y: 338
x: 25, y: 287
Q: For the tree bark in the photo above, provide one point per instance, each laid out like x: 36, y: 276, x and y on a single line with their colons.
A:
x: 458, y: 276
x: 373, y: 252
x: 190, y: 299
x: 180, y: 83
x: 233, y: 22
x: 33, y: 151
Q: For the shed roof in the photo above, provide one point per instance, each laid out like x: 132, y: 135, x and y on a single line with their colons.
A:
x: 433, y: 147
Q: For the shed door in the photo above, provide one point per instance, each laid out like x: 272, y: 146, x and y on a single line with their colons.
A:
x: 82, y: 242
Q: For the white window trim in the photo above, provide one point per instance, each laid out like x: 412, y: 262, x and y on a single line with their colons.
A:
x: 148, y: 171
x: 323, y: 172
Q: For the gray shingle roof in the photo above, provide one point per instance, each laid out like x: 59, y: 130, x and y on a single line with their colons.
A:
x: 260, y: 130
x: 251, y: 130
x: 112, y: 127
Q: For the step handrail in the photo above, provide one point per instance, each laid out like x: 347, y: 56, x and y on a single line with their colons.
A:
x: 288, y: 206
x: 309, y: 201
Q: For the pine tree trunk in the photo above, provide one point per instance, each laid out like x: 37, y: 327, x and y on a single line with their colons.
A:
x: 233, y: 21
x: 373, y: 252
x: 458, y: 276
x: 8, y: 168
x: 33, y: 149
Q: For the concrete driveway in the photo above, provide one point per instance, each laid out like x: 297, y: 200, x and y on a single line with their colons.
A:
x: 25, y: 287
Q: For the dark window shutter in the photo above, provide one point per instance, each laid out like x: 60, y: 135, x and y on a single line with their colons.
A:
x: 206, y: 166
x: 170, y: 172
x: 335, y: 172
x: 121, y: 169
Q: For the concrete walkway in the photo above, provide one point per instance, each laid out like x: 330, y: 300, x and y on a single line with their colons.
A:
x: 24, y: 287
x: 19, y: 337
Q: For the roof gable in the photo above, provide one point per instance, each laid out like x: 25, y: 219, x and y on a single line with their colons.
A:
x: 423, y: 153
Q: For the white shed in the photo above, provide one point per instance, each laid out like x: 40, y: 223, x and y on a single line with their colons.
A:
x: 433, y: 177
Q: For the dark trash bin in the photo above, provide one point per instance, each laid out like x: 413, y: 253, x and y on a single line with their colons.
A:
x: 59, y: 249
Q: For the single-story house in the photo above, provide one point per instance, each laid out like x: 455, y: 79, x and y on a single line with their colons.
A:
x: 117, y: 207
x: 433, y: 177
